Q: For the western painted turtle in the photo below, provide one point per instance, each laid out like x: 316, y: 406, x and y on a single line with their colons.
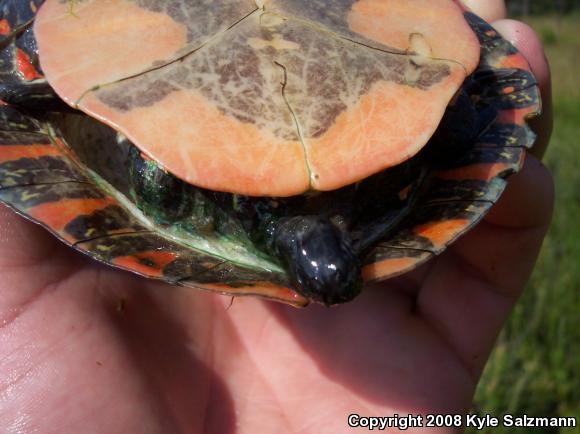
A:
x: 289, y: 149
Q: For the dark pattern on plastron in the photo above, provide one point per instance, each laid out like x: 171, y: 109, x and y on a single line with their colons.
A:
x: 330, y: 14
x: 217, y: 14
x: 320, y: 80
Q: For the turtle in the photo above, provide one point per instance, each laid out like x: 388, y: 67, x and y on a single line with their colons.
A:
x: 295, y: 150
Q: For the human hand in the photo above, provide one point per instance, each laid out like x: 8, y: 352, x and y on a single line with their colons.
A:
x: 88, y: 349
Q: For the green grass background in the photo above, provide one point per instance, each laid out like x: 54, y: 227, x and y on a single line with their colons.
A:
x: 535, y: 367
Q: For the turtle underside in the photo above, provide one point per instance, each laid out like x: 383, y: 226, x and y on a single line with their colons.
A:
x: 97, y: 192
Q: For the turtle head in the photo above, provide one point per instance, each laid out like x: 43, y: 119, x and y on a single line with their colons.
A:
x: 319, y: 257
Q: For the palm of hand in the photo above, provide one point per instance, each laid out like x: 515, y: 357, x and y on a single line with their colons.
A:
x: 101, y: 342
x: 81, y: 341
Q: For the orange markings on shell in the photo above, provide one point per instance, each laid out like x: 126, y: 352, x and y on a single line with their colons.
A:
x: 390, y: 267
x: 25, y: 66
x: 264, y: 289
x: 440, y: 233
x: 57, y: 215
x: 5, y: 27
x: 147, y: 263
x: 515, y: 61
x: 16, y: 152
x: 517, y: 116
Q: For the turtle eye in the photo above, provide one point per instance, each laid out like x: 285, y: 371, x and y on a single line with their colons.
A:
x: 319, y: 257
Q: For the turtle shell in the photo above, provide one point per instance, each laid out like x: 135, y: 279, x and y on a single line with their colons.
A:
x: 50, y: 174
x: 246, y: 89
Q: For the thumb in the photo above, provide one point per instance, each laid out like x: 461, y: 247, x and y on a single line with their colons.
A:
x: 489, y: 10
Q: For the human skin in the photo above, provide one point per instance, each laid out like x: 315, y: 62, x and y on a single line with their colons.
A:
x: 88, y: 349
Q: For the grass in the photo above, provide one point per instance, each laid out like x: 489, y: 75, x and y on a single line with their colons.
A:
x: 535, y: 368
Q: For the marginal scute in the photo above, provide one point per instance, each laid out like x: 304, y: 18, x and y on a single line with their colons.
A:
x: 393, y: 262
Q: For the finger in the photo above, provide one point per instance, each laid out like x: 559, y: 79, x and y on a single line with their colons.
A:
x: 503, y: 249
x: 489, y: 10
x: 525, y: 39
x: 473, y: 287
x: 528, y: 200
